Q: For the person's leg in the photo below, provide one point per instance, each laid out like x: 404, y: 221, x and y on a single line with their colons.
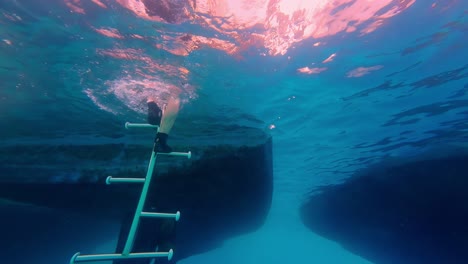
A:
x: 169, y: 115
x: 168, y: 118
x: 166, y: 121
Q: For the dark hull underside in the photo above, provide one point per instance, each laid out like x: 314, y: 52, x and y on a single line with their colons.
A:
x: 224, y: 191
x: 407, y: 213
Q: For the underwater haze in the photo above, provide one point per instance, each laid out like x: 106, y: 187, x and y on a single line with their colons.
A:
x: 340, y: 85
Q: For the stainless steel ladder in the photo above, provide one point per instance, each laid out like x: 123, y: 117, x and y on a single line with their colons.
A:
x: 127, y: 251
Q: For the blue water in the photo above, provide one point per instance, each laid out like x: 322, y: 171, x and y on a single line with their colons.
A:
x: 56, y: 87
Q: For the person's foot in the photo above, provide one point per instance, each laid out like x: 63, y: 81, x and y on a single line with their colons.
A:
x: 160, y: 143
x: 154, y: 113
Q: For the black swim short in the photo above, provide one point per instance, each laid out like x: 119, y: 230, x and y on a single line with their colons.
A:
x: 154, y: 114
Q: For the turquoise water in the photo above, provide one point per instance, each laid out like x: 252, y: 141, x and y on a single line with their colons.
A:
x: 371, y: 83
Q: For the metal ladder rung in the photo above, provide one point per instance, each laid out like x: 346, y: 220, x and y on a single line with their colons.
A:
x: 176, y: 216
x: 182, y: 154
x: 111, y: 179
x: 101, y: 257
x: 136, y: 125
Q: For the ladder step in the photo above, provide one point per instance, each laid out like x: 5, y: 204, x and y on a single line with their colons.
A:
x: 176, y: 216
x: 101, y: 257
x: 110, y: 180
x: 136, y: 125
x: 183, y: 154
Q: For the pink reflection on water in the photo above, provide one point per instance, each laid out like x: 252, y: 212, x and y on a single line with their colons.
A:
x: 109, y: 32
x: 150, y: 65
x: 136, y: 36
x: 183, y: 44
x: 445, y: 4
x: 75, y: 6
x: 278, y: 24
x: 361, y: 71
x: 330, y: 58
x: 284, y: 22
x: 99, y: 3
x: 154, y: 10
x: 307, y: 70
x: 127, y: 54
x: 289, y: 21
x: 12, y: 17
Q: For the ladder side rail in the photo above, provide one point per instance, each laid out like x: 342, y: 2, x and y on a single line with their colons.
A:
x: 141, y: 203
